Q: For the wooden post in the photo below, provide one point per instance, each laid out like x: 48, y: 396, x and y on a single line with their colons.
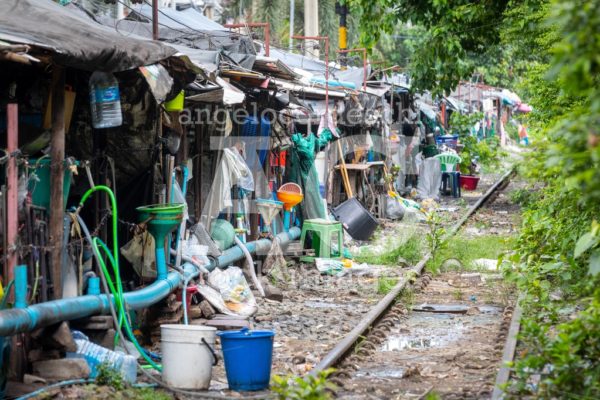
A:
x: 17, y: 361
x: 12, y: 183
x: 57, y: 156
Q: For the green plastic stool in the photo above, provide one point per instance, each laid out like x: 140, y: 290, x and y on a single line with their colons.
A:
x: 323, y: 233
x: 448, y: 161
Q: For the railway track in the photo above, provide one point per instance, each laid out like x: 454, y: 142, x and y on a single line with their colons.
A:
x: 358, y: 349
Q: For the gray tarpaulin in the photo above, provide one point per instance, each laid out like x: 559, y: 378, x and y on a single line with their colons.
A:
x: 187, y: 28
x: 74, y: 40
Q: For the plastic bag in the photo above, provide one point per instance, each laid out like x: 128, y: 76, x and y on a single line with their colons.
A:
x: 177, y: 197
x: 139, y: 251
x: 394, y: 209
x: 330, y: 266
x: 195, y: 251
x: 203, y: 237
x: 275, y: 265
x: 234, y: 290
x: 430, y: 179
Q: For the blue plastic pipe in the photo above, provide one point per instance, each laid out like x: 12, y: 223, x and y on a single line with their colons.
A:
x: 21, y: 286
x: 93, y: 287
x: 15, y: 320
x: 261, y: 246
x: 161, y: 261
x: 51, y: 312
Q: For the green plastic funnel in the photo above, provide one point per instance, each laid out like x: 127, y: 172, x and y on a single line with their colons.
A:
x: 161, y: 219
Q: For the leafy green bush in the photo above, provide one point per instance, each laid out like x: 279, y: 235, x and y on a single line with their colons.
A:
x: 486, y: 152
x: 291, y: 387
x: 108, y: 376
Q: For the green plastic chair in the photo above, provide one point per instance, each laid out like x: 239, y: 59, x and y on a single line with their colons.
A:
x: 448, y: 161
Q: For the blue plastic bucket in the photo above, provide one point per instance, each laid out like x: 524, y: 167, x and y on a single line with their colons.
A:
x: 247, y: 356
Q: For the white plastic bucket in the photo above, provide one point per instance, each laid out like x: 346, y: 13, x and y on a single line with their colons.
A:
x: 187, y: 360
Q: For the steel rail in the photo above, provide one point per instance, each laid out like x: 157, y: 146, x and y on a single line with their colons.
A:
x: 338, y: 352
x: 508, y: 354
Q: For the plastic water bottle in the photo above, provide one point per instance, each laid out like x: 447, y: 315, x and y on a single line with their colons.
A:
x: 105, y: 100
x: 95, y: 355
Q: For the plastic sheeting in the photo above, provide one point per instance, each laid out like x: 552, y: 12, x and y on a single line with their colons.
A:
x: 232, y: 170
x: 301, y: 169
x: 430, y: 179
x: 74, y: 40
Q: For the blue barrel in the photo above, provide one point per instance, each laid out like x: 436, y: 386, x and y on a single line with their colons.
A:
x: 248, y: 355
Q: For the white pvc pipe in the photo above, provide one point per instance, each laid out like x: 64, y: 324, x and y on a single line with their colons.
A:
x: 250, y: 263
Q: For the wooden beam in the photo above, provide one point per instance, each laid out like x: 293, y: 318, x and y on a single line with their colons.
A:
x: 57, y: 156
x: 12, y: 223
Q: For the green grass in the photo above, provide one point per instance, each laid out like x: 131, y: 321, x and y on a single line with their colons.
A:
x: 409, y: 251
x: 385, y: 284
x: 467, y: 249
x: 107, y: 392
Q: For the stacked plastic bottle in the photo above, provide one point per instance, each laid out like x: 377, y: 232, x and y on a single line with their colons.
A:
x: 105, y: 100
x: 95, y: 355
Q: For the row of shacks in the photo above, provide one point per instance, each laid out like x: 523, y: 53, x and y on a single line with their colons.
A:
x: 274, y: 109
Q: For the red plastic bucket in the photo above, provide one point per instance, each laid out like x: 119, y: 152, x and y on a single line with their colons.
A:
x: 188, y: 297
x: 469, y: 182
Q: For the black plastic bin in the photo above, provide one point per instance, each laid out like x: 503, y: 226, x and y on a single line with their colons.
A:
x: 357, y: 221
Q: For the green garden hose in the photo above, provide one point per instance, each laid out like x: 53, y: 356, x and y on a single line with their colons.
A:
x: 115, y: 287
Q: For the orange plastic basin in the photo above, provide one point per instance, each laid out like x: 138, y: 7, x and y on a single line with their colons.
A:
x: 289, y: 199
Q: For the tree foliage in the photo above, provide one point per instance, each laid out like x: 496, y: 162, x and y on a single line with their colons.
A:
x: 454, y: 32
x: 549, y: 50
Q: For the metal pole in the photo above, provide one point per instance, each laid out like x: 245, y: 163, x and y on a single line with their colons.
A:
x: 57, y: 156
x: 155, y: 19
x: 12, y: 183
x: 342, y: 10
x: 292, y: 12
x: 311, y: 25
x: 327, y: 77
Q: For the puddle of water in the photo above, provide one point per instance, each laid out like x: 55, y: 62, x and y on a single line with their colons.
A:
x: 381, y: 373
x: 490, y: 309
x: 435, y: 330
x: 426, y: 331
x: 321, y: 304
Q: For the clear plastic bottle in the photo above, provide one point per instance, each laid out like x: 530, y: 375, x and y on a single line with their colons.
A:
x: 95, y: 355
x: 105, y: 100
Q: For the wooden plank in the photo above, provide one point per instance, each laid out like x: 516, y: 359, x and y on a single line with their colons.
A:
x: 57, y: 156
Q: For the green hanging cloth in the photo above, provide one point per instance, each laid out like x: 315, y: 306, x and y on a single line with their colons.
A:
x: 300, y: 169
